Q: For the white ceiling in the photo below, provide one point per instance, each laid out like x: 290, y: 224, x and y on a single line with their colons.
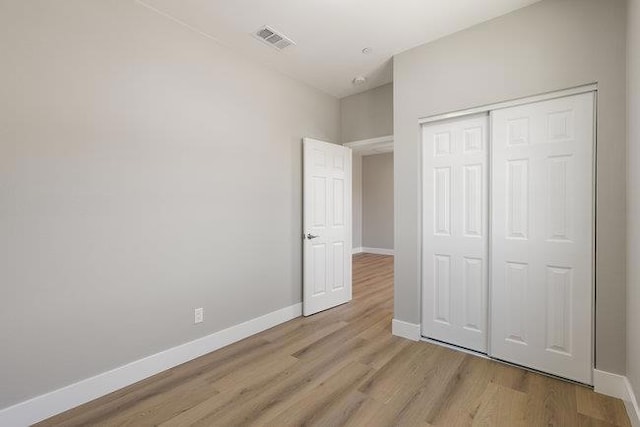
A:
x: 330, y: 34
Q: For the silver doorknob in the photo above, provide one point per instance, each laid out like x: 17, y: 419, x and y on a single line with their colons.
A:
x: 311, y: 236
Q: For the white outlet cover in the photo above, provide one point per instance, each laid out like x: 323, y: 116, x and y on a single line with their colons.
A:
x: 198, y: 315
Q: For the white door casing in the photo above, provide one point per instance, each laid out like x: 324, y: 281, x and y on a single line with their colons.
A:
x: 326, y: 225
x: 542, y: 235
x: 455, y: 227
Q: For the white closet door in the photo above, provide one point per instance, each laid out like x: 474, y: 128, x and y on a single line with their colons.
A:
x: 455, y: 227
x: 542, y: 236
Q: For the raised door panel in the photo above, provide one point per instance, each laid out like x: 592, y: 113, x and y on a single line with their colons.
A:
x: 559, y: 283
x: 517, y: 212
x: 515, y: 301
x: 442, y: 144
x: 319, y: 268
x: 473, y: 140
x: 442, y: 201
x: 473, y: 207
x: 474, y: 286
x: 338, y: 265
x: 442, y: 285
x: 559, y: 213
x: 339, y: 216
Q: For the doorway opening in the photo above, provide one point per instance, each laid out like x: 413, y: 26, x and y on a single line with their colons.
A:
x: 373, y: 196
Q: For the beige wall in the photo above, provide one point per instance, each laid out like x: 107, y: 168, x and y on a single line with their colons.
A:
x: 551, y: 45
x: 144, y: 171
x: 633, y: 213
x: 367, y: 115
x: 377, y: 201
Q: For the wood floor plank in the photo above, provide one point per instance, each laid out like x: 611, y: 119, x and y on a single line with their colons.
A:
x: 388, y: 380
x: 387, y: 348
x: 463, y: 395
x: 502, y: 407
x: 601, y: 407
x: 257, y: 373
x: 586, y: 421
x: 551, y: 402
x: 366, y: 414
x: 342, y: 411
x: 311, y: 407
x: 510, y: 376
x: 342, y: 367
x: 153, y: 410
x: 431, y: 391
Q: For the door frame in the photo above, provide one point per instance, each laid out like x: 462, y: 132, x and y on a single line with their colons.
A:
x: 577, y: 90
x: 362, y: 148
x: 487, y: 108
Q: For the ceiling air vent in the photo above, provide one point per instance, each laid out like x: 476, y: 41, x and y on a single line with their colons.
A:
x: 273, y: 38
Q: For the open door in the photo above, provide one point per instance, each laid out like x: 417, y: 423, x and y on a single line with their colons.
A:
x: 326, y: 225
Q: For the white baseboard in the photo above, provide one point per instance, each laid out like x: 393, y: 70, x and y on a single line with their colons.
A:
x: 633, y: 409
x: 47, y: 405
x: 406, y: 330
x: 377, y: 251
x: 610, y: 384
x: 356, y: 250
x: 618, y: 386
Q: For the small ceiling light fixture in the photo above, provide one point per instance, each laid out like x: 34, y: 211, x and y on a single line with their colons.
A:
x: 367, y: 50
x: 359, y: 80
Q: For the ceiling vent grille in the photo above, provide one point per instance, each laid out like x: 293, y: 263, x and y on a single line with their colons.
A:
x: 271, y: 37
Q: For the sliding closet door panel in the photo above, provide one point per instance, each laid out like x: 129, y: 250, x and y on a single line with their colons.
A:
x: 542, y: 236
x: 455, y: 226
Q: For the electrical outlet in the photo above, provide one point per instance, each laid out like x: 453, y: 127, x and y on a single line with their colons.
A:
x: 198, y: 315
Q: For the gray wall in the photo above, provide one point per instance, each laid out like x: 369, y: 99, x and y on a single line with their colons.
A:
x: 367, y: 115
x: 633, y: 213
x: 363, y: 116
x: 356, y: 193
x: 551, y: 45
x: 377, y: 201
x: 144, y: 171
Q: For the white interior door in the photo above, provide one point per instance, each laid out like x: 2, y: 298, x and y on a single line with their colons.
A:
x: 455, y: 228
x: 327, y: 225
x: 542, y: 235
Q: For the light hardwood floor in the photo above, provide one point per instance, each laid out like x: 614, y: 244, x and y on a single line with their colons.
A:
x: 343, y: 367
